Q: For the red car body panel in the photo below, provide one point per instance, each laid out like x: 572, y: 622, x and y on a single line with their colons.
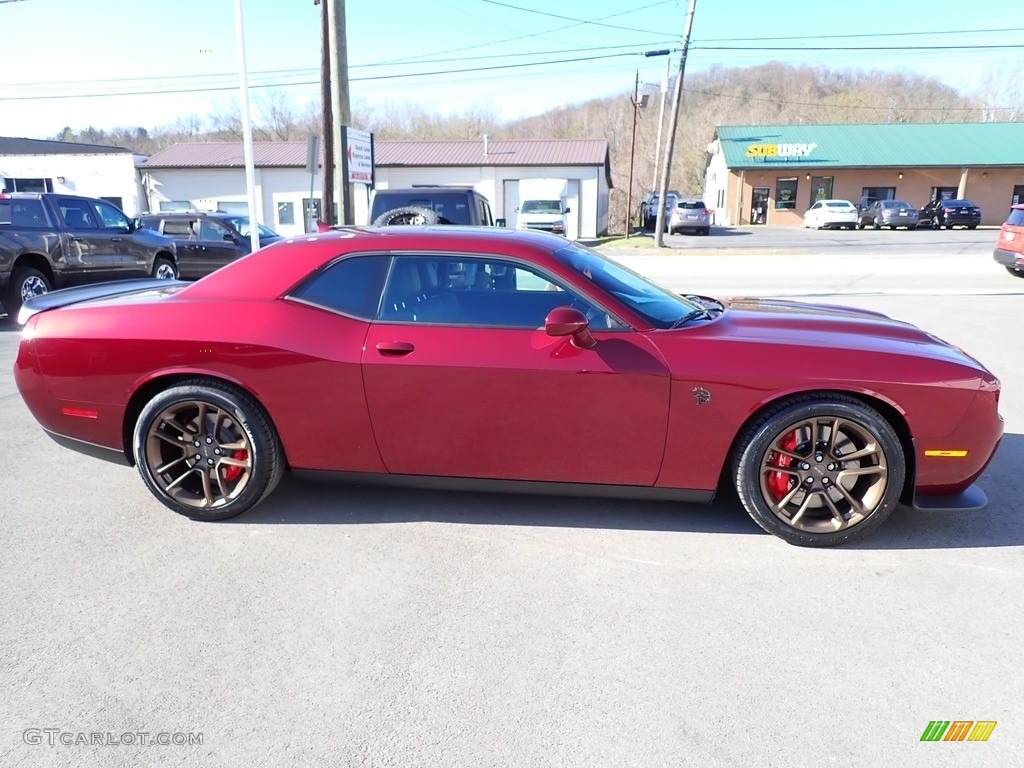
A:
x: 644, y: 407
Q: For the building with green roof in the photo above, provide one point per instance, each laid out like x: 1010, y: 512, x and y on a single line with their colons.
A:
x: 771, y: 174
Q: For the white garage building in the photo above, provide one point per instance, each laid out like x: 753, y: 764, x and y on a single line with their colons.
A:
x: 38, y: 165
x: 211, y: 176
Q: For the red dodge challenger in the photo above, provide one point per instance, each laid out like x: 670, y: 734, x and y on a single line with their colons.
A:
x: 502, y: 360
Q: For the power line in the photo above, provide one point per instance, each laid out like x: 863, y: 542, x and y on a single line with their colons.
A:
x: 859, y: 35
x: 213, y: 89
x: 565, y: 18
x: 834, y: 49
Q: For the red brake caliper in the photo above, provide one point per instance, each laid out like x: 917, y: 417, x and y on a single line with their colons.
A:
x: 781, y: 483
x: 232, y: 473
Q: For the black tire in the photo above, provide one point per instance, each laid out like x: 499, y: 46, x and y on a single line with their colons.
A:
x: 165, y: 269
x: 235, y: 435
x: 411, y: 214
x: 949, y: 226
x: 811, y: 498
x: 860, y: 225
x: 706, y: 231
x: 972, y: 226
x: 25, y: 284
x: 936, y: 224
x: 1015, y: 272
x: 876, y: 224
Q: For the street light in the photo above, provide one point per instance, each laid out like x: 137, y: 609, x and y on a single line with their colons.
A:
x: 638, y: 102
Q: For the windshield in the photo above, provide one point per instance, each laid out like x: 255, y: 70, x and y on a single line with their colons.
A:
x: 542, y: 206
x: 659, y: 306
x: 241, y: 223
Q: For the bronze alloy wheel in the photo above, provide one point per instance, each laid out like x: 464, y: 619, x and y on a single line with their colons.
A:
x: 819, y: 471
x: 207, y: 450
x: 198, y: 454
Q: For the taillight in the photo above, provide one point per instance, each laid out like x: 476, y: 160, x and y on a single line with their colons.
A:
x: 947, y: 210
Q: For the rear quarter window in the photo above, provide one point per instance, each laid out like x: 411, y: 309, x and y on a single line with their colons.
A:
x: 23, y: 213
x: 1016, y: 218
x: 350, y: 286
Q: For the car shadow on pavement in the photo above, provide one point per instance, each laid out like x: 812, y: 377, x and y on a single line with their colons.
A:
x: 1000, y: 524
x: 307, y: 502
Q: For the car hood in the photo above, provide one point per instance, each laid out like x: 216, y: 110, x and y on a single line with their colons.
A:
x: 771, y: 321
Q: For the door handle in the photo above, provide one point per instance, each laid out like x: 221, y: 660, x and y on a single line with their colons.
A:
x: 394, y: 348
x: 116, y: 239
x: 76, y: 239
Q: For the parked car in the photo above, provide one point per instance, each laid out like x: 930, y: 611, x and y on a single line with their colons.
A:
x: 651, y: 209
x: 431, y: 205
x: 690, y: 213
x: 841, y: 214
x: 1009, y: 250
x: 949, y: 214
x: 50, y: 240
x: 207, y: 240
x: 888, y: 213
x: 552, y: 370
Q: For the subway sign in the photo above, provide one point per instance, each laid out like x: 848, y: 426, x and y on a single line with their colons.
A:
x: 776, y: 152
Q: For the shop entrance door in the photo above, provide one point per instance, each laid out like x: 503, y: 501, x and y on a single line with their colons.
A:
x: 1018, y: 195
x: 759, y: 205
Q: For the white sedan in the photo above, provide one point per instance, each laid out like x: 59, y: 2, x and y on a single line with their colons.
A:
x: 831, y: 213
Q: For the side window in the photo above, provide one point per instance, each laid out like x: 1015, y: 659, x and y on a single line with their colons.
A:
x: 112, y: 218
x: 77, y: 214
x: 350, y: 286
x: 478, y: 292
x: 179, y: 228
x: 211, y: 230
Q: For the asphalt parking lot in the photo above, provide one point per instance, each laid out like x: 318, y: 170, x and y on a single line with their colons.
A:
x: 369, y: 627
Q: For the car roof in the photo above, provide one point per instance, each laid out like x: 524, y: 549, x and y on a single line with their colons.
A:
x: 264, y: 275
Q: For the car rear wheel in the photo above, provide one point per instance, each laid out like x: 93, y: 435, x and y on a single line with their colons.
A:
x: 26, y: 283
x: 860, y: 225
x: 972, y: 226
x: 876, y: 224
x: 1015, y: 272
x: 819, y: 471
x: 164, y: 269
x: 207, y: 450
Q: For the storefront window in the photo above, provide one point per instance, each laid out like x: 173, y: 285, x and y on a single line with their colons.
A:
x: 785, y: 193
x: 821, y: 188
x: 285, y: 213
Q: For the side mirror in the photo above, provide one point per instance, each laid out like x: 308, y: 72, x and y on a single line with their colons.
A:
x: 567, y: 210
x: 134, y: 225
x: 229, y: 238
x: 569, y: 321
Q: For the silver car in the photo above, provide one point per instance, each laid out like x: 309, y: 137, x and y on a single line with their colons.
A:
x: 690, y: 213
x: 888, y: 213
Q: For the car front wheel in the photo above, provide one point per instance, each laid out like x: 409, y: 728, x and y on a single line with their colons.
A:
x: 207, y: 450
x: 819, y: 471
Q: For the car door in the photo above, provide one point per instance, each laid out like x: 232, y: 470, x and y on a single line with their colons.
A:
x: 214, y: 247
x: 88, y: 256
x: 128, y: 256
x: 461, y: 379
x: 811, y: 218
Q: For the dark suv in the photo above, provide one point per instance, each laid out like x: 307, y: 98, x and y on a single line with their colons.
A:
x: 206, y: 240
x: 431, y: 205
x: 950, y: 213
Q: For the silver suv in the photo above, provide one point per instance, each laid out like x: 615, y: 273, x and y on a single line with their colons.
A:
x: 690, y: 213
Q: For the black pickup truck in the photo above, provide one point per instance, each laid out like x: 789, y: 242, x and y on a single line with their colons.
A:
x: 50, y: 240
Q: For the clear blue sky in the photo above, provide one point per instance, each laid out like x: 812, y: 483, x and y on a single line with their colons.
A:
x: 173, y: 56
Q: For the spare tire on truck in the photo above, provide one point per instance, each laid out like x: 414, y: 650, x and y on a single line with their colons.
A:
x: 407, y: 215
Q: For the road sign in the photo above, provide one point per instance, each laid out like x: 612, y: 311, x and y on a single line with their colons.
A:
x: 359, y: 153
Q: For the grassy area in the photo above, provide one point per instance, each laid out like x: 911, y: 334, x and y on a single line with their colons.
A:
x: 637, y: 241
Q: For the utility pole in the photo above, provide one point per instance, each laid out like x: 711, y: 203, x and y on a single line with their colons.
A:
x: 661, y: 120
x: 632, y: 146
x: 677, y: 92
x: 342, y: 112
x: 327, y: 123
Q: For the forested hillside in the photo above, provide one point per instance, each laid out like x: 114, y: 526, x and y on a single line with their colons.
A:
x: 773, y: 93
